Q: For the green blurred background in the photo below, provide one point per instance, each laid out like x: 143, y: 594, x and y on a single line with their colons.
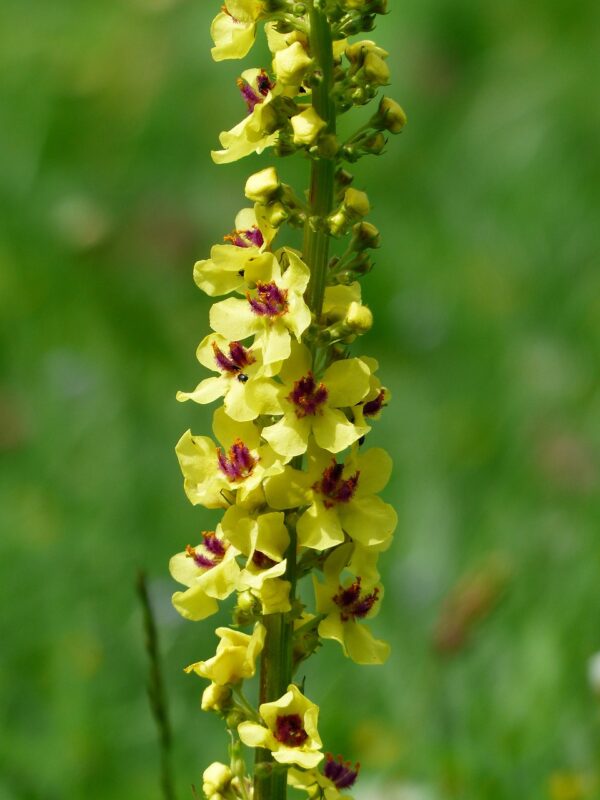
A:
x: 487, y: 301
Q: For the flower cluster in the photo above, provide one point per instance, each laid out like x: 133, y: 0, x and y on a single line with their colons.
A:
x: 287, y: 464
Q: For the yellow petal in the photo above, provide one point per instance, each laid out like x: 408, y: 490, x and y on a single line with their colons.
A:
x: 275, y: 342
x: 195, y: 604
x: 333, y: 431
x: 207, y: 391
x: 288, y: 489
x: 319, y: 528
x: 362, y: 647
x: 369, y: 520
x: 375, y: 467
x: 289, y: 436
x: 234, y: 319
x: 232, y: 38
x: 215, y: 281
x: 253, y: 735
x: 227, y: 430
x: 347, y: 382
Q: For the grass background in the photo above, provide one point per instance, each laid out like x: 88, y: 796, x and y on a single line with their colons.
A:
x: 487, y: 301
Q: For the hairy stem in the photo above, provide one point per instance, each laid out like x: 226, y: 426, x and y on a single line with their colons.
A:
x: 277, y: 657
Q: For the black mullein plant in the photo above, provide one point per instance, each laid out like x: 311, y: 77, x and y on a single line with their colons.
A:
x: 290, y: 469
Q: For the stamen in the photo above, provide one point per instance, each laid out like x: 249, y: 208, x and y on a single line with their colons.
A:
x: 248, y: 94
x: 352, y: 603
x: 289, y: 730
x: 307, y: 396
x: 334, y: 487
x: 374, y: 406
x: 239, y: 462
x: 252, y: 237
x: 239, y: 357
x: 340, y: 772
x: 270, y: 301
x: 264, y: 83
x: 214, y: 551
x: 262, y: 561
x: 251, y: 96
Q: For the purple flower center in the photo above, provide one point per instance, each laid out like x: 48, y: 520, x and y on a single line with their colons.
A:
x: 239, y: 462
x: 270, y: 300
x: 237, y: 359
x: 374, y: 406
x: 254, y: 96
x: 334, y: 487
x: 262, y: 561
x: 353, y: 603
x: 252, y: 237
x: 210, y: 553
x: 289, y: 730
x: 307, y: 397
x: 340, y: 772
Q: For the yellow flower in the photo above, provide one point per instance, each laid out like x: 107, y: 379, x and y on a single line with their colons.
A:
x: 210, y: 572
x: 271, y: 312
x: 346, y: 602
x: 341, y: 498
x: 241, y: 380
x: 290, y: 730
x: 327, y: 785
x: 215, y: 476
x: 235, y: 659
x: 260, y: 128
x: 311, y: 405
x: 224, y: 271
x: 263, y: 539
x: 233, y: 30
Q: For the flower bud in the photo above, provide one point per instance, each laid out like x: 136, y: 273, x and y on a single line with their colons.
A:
x: 215, y: 698
x: 343, y: 177
x: 234, y: 718
x: 365, y: 236
x: 328, y: 145
x: 272, y: 6
x: 390, y: 116
x: 245, y: 601
x: 263, y: 186
x: 291, y: 64
x: 357, y: 53
x: 359, y: 318
x: 376, y: 70
x: 374, y: 143
x: 275, y: 214
x: 215, y: 779
x: 356, y: 203
x: 307, y: 126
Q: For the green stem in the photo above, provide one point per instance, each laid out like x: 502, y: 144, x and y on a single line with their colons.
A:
x: 277, y: 656
x: 156, y: 690
x: 316, y: 236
